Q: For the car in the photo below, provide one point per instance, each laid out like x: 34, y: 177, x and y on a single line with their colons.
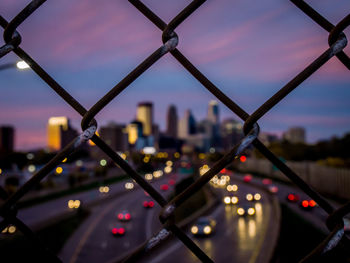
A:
x: 148, y: 204
x: 266, y: 181
x: 124, y: 216
x: 245, y: 210
x: 273, y: 189
x: 164, y: 187
x: 232, y: 188
x: 11, y: 229
x: 293, y: 198
x: 230, y: 200
x: 307, y: 204
x: 247, y: 178
x: 204, y: 226
x: 172, y: 181
x: 118, y: 231
x: 129, y: 185
x: 253, y: 197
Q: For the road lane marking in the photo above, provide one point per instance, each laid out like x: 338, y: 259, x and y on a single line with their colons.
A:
x: 86, y: 235
x: 91, y: 228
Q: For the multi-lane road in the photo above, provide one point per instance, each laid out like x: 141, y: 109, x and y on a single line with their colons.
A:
x: 236, y: 238
x: 239, y: 239
x: 243, y: 238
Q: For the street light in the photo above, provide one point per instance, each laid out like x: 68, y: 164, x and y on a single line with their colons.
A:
x: 20, y: 65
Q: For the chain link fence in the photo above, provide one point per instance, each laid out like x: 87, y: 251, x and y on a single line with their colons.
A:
x: 337, y: 42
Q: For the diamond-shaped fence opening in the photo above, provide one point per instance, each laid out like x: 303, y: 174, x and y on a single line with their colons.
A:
x: 337, y: 42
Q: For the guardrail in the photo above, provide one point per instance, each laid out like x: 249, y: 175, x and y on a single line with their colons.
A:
x: 326, y: 180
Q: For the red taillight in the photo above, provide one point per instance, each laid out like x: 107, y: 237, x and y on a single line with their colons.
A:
x: 121, y: 231
x: 291, y: 197
x: 312, y: 203
x: 127, y: 216
x: 242, y: 158
x: 266, y: 181
x: 305, y: 203
x: 150, y: 203
x: 164, y: 187
x: 247, y: 178
x: 120, y: 216
x: 145, y: 204
x: 114, y: 231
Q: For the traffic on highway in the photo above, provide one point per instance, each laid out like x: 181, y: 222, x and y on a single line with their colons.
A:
x: 240, y: 220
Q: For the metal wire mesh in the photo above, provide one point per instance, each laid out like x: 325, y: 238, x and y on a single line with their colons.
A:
x: 337, y: 42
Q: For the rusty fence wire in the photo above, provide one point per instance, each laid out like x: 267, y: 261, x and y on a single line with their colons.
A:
x: 337, y: 42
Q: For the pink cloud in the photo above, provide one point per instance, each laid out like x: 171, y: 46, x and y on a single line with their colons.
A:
x: 86, y: 35
x: 222, y: 44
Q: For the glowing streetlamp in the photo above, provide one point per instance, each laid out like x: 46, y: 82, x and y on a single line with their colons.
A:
x: 22, y: 65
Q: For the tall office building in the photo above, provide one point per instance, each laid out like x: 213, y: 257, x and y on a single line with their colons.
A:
x: 172, y: 122
x: 145, y: 116
x: 7, y: 138
x: 135, y: 131
x: 187, y: 125
x: 59, y: 133
x: 213, y: 112
x: 115, y: 136
x: 206, y: 127
x: 295, y: 135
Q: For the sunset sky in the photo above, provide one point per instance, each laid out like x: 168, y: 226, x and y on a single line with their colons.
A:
x: 248, y: 48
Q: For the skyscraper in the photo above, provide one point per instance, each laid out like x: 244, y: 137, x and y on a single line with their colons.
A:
x: 187, y: 125
x: 213, y: 112
x: 172, y: 122
x: 59, y: 133
x: 115, y: 136
x: 145, y: 116
x: 134, y: 130
x: 7, y: 137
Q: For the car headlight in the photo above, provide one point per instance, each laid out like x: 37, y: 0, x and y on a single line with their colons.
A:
x: 11, y: 229
x: 227, y: 200
x: 240, y: 211
x: 207, y: 230
x: 234, y: 200
x: 194, y: 230
x: 257, y: 196
x: 251, y: 211
x: 249, y: 197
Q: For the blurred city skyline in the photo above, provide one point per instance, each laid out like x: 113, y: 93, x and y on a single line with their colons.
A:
x: 186, y: 127
x: 249, y: 57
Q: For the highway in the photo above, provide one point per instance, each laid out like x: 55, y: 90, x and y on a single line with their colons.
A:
x: 93, y: 240
x: 316, y: 215
x: 55, y: 208
x: 234, y: 236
